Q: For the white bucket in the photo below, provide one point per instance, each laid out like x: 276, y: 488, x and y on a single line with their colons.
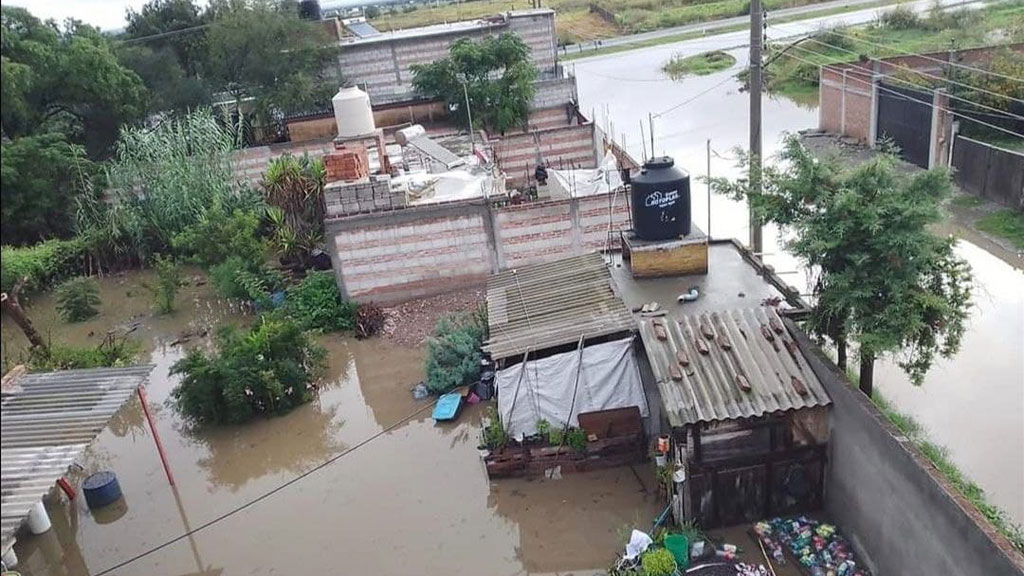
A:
x: 660, y: 460
x: 38, y: 519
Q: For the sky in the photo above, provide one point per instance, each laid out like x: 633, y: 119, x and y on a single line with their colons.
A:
x: 106, y: 14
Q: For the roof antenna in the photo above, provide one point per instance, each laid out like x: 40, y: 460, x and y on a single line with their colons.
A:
x: 643, y: 141
x: 650, y: 120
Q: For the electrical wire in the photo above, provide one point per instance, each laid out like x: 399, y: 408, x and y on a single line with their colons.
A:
x: 998, y: 111
x: 929, y: 104
x: 265, y: 495
x: 728, y: 78
x: 926, y: 57
x: 811, y: 38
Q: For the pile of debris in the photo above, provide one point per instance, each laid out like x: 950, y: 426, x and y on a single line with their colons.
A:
x: 818, y: 546
x: 411, y: 323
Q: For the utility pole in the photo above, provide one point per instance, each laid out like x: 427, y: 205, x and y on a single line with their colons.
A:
x: 469, y: 114
x: 756, y: 37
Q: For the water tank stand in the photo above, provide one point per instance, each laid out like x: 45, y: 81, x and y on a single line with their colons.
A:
x: 672, y: 257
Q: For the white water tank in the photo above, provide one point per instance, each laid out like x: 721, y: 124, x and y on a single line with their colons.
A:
x: 352, y: 113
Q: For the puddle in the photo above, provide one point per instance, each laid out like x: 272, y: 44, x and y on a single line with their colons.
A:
x: 414, y: 500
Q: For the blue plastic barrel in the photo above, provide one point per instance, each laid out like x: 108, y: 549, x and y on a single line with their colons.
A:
x: 101, y: 489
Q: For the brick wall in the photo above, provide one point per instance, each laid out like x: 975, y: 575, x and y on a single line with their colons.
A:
x: 554, y: 92
x: 395, y: 256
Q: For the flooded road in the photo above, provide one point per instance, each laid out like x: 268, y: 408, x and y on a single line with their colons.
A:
x: 414, y: 500
x: 973, y: 403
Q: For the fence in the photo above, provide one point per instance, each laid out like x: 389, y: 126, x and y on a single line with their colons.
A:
x: 990, y: 172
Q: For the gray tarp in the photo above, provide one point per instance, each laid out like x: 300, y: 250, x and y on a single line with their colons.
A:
x: 609, y: 379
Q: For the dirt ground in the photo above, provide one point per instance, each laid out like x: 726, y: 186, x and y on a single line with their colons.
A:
x: 409, y: 324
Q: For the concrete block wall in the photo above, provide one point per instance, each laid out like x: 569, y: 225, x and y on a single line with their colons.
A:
x: 381, y: 65
x: 416, y: 252
x: 902, y: 516
x: 249, y: 164
x: 516, y: 154
x: 554, y: 92
x: 394, y: 256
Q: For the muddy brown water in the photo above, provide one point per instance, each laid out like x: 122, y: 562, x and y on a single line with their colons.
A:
x: 414, y: 501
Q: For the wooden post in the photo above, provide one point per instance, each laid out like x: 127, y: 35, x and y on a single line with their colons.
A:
x: 156, y: 435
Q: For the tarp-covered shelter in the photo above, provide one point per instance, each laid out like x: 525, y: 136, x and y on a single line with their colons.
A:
x: 559, y: 388
x: 748, y: 415
x: 564, y: 343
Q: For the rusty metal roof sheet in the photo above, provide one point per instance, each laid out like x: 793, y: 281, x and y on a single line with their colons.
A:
x: 547, y: 305
x: 728, y: 365
x: 47, y: 419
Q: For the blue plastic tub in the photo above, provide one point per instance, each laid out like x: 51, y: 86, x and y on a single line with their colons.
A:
x: 447, y: 406
x: 101, y: 489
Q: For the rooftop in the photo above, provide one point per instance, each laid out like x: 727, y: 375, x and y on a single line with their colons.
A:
x: 727, y: 365
x: 548, y: 305
x: 457, y: 27
x: 48, y: 419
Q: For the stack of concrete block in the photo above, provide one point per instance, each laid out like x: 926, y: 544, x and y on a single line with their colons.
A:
x: 372, y: 194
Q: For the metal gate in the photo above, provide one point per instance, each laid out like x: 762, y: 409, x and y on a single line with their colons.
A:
x: 908, y: 123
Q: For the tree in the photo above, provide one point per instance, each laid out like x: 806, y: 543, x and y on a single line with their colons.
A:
x: 65, y: 79
x: 175, y: 26
x: 40, y: 177
x: 496, y: 74
x: 171, y: 89
x: 882, y: 280
x: 65, y: 97
x: 371, y: 12
x: 263, y: 50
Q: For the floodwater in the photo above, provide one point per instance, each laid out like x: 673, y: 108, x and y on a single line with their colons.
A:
x: 973, y: 403
x: 416, y: 499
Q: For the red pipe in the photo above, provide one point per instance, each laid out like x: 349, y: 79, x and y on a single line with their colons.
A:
x: 156, y: 436
x: 66, y: 487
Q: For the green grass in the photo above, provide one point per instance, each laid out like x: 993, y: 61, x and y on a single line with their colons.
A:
x: 939, y: 458
x: 1005, y: 223
x: 679, y: 67
x: 966, y: 201
x: 796, y: 70
x: 684, y: 36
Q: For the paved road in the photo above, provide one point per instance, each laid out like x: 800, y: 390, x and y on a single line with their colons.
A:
x: 719, y: 24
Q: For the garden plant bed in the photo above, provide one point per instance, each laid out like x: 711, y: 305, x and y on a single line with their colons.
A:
x: 615, y: 438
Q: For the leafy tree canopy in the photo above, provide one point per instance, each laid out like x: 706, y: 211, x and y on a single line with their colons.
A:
x: 498, y: 78
x: 64, y: 79
x: 261, y: 49
x: 174, y: 25
x: 883, y: 280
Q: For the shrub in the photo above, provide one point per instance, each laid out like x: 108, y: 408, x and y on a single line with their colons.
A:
x: 42, y: 264
x: 900, y: 18
x: 657, y: 562
x: 241, y: 280
x: 78, y: 299
x: 454, y: 351
x: 221, y: 234
x: 167, y: 279
x: 495, y: 436
x: 112, y: 351
x: 270, y: 369
x: 316, y: 304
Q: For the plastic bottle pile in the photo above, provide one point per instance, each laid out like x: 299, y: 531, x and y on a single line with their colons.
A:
x: 816, y: 545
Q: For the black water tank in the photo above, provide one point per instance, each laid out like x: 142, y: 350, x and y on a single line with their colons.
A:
x: 661, y: 200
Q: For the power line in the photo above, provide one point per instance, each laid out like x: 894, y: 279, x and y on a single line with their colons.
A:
x: 163, y: 34
x: 926, y: 57
x: 1003, y: 113
x: 265, y: 495
x: 901, y: 95
x: 811, y: 38
x: 728, y: 78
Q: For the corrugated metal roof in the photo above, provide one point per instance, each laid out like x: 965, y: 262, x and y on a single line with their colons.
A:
x: 47, y: 419
x: 546, y: 305
x: 362, y: 29
x: 728, y: 365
